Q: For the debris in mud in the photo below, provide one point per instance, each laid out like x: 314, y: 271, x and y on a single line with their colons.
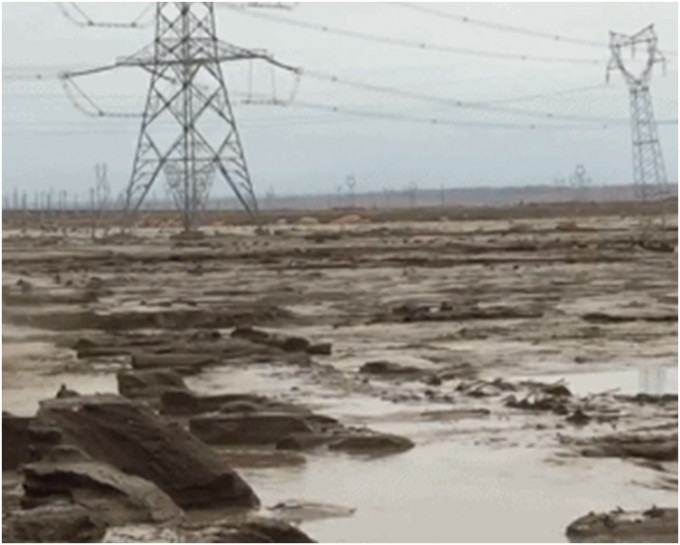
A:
x: 486, y: 388
x: 451, y: 312
x: 130, y: 437
x: 656, y: 525
x: 299, y: 511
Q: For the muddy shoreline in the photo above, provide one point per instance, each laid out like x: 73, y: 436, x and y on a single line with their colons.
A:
x: 369, y: 379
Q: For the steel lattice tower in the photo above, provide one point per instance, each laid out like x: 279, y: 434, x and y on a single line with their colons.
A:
x: 188, y: 131
x: 649, y: 172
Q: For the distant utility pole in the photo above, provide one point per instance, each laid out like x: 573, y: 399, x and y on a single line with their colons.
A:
x: 580, y: 182
x: 649, y: 172
x: 412, y: 191
x: 351, y: 183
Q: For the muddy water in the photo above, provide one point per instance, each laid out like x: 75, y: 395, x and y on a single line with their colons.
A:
x: 448, y: 488
x: 439, y: 492
x: 646, y: 379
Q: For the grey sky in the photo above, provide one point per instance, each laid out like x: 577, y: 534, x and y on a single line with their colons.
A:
x: 48, y: 143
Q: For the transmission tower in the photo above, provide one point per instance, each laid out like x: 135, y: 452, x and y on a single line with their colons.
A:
x: 649, y: 172
x: 188, y: 131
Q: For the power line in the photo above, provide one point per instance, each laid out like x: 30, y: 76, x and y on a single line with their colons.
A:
x: 501, y: 27
x: 507, y: 28
x: 488, y: 106
x: 411, y: 44
x: 86, y: 21
x: 435, y: 121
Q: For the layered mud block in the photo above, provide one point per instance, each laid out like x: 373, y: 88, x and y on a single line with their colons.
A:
x: 68, y: 474
x: 15, y: 440
x: 652, y: 526
x: 130, y: 437
x: 371, y: 443
x: 348, y: 440
x: 187, y: 403
x: 248, y: 529
x: 660, y: 447
x: 148, y: 383
x: 283, y: 342
x: 53, y: 524
x: 145, y: 360
x: 247, y: 428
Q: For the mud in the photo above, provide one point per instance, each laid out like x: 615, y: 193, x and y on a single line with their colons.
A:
x: 511, y: 363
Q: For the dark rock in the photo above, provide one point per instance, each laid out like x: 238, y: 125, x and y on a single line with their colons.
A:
x: 247, y: 428
x: 432, y: 380
x: 321, y: 349
x: 103, y: 351
x: 579, y: 418
x: 295, y: 344
x: 65, y: 392
x: 53, y: 524
x: 653, y: 526
x: 130, y: 437
x: 373, y: 443
x: 113, y: 496
x: 251, y: 529
x: 145, y: 360
x: 387, y: 368
x: 299, y: 511
x: 15, y: 440
x: 148, y: 383
x: 287, y: 344
x: 304, y: 441
x: 650, y: 447
x: 186, y: 403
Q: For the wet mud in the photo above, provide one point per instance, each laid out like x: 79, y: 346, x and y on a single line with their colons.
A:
x: 343, y: 382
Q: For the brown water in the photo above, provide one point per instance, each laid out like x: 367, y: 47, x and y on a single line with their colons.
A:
x: 475, y: 480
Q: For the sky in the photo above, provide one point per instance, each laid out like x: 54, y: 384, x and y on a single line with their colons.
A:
x: 294, y: 149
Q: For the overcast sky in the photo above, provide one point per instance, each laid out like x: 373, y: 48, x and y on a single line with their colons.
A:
x: 48, y: 143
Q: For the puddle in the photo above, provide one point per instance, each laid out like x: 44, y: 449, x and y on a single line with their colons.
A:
x: 649, y: 379
x: 440, y: 493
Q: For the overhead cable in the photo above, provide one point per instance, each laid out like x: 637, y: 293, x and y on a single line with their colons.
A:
x: 414, y: 44
x: 86, y: 21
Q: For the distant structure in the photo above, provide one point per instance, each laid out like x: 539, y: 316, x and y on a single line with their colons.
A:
x: 649, y: 172
x: 580, y: 182
x: 188, y: 130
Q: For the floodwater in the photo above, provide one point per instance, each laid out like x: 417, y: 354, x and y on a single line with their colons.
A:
x: 646, y: 379
x: 449, y: 488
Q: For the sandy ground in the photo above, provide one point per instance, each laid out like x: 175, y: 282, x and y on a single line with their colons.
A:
x: 550, y: 298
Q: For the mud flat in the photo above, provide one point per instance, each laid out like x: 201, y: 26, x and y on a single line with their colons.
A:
x: 362, y: 380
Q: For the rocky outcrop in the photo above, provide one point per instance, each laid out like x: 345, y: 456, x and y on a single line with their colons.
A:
x: 652, y: 526
x: 53, y: 524
x: 67, y: 474
x: 131, y: 438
